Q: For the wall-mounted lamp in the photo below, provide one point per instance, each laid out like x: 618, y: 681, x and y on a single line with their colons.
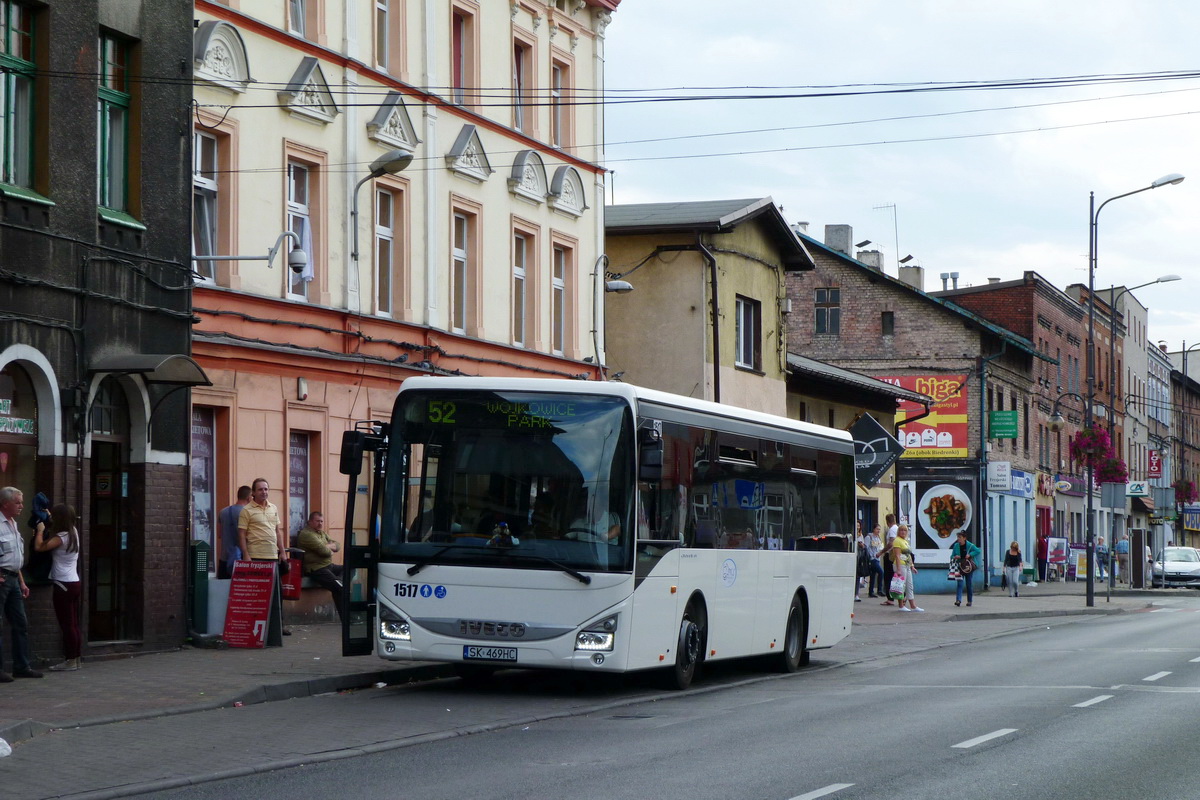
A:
x: 618, y: 286
x: 297, y: 259
x: 389, y: 163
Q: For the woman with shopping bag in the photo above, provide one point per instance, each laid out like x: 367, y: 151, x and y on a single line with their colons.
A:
x: 905, y: 568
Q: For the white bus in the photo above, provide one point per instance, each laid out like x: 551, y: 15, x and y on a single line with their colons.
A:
x: 595, y: 527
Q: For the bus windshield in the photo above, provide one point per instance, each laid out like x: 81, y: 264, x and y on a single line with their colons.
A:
x: 518, y: 480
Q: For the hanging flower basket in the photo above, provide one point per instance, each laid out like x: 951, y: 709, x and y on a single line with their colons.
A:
x: 1112, y: 470
x: 1185, y: 491
x: 1090, y: 443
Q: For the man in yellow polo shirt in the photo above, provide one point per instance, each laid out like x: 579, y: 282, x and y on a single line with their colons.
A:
x: 261, y: 534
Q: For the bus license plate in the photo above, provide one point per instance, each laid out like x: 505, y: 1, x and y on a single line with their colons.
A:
x: 473, y: 653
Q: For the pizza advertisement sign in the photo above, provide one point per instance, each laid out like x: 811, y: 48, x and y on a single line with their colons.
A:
x: 943, y: 433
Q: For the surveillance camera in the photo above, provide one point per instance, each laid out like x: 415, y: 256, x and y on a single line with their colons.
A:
x: 297, y: 260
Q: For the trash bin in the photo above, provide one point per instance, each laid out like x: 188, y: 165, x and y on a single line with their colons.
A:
x: 201, y: 557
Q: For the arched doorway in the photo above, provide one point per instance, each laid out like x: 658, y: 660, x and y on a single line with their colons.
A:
x: 114, y: 592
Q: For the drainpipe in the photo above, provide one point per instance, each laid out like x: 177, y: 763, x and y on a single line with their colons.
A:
x: 982, y: 363
x: 716, y: 316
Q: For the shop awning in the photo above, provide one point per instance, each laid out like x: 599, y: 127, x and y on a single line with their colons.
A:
x: 1147, y: 503
x: 155, y: 368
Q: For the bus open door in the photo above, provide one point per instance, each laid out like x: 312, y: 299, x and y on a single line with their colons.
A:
x: 362, y: 534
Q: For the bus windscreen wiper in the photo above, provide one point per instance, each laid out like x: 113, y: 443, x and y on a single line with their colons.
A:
x: 424, y: 562
x: 579, y: 576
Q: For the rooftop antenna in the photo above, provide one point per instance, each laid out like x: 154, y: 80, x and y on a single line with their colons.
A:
x: 895, y: 227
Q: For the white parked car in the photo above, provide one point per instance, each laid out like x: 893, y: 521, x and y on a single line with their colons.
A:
x: 1182, y: 567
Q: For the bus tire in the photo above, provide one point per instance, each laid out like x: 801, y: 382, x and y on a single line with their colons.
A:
x: 794, y: 653
x: 688, y: 648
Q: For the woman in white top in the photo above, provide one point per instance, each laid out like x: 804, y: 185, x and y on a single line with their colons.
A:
x: 62, y: 541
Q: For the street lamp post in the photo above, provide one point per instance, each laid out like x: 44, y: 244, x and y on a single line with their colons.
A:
x: 1113, y: 297
x: 1093, y: 219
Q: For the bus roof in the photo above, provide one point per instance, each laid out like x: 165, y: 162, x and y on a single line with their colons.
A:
x: 632, y: 394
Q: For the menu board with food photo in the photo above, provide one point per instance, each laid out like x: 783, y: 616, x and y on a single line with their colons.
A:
x: 937, y: 510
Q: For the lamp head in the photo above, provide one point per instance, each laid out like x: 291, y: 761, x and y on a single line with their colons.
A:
x: 1172, y: 179
x: 1169, y: 278
x: 1056, y: 421
x: 390, y: 163
x: 863, y: 243
x: 297, y: 260
x: 620, y: 287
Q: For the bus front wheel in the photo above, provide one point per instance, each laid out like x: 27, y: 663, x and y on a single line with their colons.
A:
x: 794, y: 653
x: 687, y: 649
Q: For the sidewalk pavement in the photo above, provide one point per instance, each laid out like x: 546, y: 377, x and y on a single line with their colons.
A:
x: 310, y: 663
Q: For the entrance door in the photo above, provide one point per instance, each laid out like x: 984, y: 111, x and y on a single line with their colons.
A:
x: 114, y: 612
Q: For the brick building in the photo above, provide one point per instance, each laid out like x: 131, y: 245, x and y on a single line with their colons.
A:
x: 95, y: 303
x: 849, y: 312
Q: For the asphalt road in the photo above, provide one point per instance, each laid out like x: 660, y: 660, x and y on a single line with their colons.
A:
x: 1103, y: 707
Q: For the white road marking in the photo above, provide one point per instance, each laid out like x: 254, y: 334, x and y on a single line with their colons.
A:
x: 987, y: 737
x: 830, y: 789
x: 1165, y: 610
x: 1195, y: 661
x: 1098, y: 699
x: 1156, y: 676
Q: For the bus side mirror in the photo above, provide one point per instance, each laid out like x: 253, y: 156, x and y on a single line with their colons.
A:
x: 650, y: 461
x: 352, y: 452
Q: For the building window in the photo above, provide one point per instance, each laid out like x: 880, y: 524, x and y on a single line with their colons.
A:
x: 300, y: 222
x: 522, y: 80
x: 462, y: 272
x: 462, y: 55
x: 560, y: 104
x: 389, y: 36
x: 113, y: 125
x: 382, y: 29
x: 829, y: 311
x: 748, y: 333
x: 204, y: 202
x: 887, y: 322
x: 558, y: 298
x: 385, y: 251
x: 16, y: 85
x: 519, y: 289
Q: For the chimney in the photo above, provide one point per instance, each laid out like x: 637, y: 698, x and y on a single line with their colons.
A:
x: 954, y: 279
x: 839, y: 237
x: 872, y: 258
x: 800, y: 227
x: 993, y: 280
x: 945, y: 276
x: 914, y: 276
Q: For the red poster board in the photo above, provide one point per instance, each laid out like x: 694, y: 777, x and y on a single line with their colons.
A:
x: 249, y: 611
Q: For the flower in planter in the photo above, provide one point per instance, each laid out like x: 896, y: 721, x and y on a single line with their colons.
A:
x: 1090, y: 442
x: 1112, y: 470
x: 1185, y: 491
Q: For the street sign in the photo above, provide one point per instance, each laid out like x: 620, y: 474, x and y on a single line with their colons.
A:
x: 1137, y: 489
x: 1002, y: 424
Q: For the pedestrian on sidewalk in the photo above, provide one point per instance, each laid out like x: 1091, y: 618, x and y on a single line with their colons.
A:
x: 875, y: 585
x: 889, y: 566
x: 1043, y: 554
x: 261, y: 537
x: 1102, y: 557
x: 318, y: 557
x: 861, y: 563
x: 227, y: 523
x: 964, y: 557
x: 903, y: 564
x: 62, y: 542
x: 1014, y: 564
x: 1122, y: 549
x: 13, y: 589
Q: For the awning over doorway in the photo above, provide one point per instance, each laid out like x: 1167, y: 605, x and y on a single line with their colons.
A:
x: 155, y: 368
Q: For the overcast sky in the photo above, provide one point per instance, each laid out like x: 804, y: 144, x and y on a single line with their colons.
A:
x: 998, y: 182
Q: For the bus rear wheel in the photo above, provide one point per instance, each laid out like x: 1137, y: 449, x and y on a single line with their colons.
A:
x: 688, y: 648
x: 794, y: 654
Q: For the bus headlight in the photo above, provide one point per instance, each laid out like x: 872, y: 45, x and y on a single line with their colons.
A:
x: 599, y: 636
x: 393, y: 626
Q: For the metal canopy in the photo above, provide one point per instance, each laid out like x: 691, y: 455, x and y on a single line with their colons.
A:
x: 155, y: 368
